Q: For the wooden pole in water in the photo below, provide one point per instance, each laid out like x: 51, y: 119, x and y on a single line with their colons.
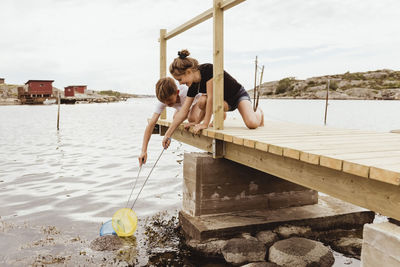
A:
x: 259, y: 87
x: 255, y: 84
x: 58, y: 113
x: 326, y: 102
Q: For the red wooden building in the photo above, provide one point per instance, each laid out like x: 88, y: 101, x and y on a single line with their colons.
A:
x: 36, y: 91
x: 43, y: 88
x: 40, y: 88
x: 69, y: 91
x: 80, y: 89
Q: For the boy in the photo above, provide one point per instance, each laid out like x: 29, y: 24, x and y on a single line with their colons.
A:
x: 168, y: 94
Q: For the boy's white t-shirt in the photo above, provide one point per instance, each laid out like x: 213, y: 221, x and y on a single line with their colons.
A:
x: 182, y: 95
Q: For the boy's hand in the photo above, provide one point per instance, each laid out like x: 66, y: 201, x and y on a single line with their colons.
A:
x: 198, y: 127
x: 142, y: 158
x: 188, y: 125
x: 166, y: 142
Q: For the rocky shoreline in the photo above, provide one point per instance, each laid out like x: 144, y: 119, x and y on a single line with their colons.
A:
x: 284, y: 245
x: 371, y: 85
x: 9, y: 96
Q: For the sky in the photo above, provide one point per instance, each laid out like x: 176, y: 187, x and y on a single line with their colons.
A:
x: 113, y: 44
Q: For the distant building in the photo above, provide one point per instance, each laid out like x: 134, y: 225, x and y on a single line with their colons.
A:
x: 69, y: 91
x: 35, y: 91
x: 2, y: 80
x: 40, y: 88
x: 80, y: 89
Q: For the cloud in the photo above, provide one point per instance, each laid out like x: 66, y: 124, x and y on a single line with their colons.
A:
x: 113, y: 44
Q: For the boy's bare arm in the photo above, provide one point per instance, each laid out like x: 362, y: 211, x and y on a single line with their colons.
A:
x: 146, y: 137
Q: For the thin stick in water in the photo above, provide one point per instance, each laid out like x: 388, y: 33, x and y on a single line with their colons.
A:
x: 259, y: 86
x: 326, y: 102
x: 255, y: 84
x: 58, y: 113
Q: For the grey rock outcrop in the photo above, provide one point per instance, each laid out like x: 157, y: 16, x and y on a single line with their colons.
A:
x: 379, y: 84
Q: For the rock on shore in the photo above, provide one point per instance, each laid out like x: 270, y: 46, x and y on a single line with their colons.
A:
x: 380, y: 84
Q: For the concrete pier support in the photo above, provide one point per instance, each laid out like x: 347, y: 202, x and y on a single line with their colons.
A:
x: 222, y: 198
x: 213, y: 186
x: 381, y: 245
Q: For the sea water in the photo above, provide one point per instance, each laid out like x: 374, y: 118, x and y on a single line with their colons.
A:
x: 77, y: 177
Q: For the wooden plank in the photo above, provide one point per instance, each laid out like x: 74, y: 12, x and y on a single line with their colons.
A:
x: 336, y: 161
x: 361, y: 167
x: 330, y: 139
x: 200, y: 18
x: 163, y: 62
x: 368, y: 193
x: 350, y: 149
x: 339, y: 146
x: 332, y: 163
x: 227, y: 4
x: 261, y: 146
x: 191, y: 23
x: 309, y: 158
x: 237, y: 140
x: 389, y: 173
x: 277, y: 150
x: 228, y: 138
x: 291, y: 153
x: 249, y: 143
x: 218, y: 65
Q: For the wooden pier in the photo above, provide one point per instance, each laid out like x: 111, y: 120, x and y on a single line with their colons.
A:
x: 360, y: 167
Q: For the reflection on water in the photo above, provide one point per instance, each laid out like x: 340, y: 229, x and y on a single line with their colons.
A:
x: 84, y: 173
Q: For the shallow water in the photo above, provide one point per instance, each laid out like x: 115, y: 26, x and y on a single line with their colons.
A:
x: 76, y: 178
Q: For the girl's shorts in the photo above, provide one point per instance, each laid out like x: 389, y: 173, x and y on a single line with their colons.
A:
x: 234, y: 101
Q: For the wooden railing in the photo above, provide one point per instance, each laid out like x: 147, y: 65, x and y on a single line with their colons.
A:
x: 217, y: 13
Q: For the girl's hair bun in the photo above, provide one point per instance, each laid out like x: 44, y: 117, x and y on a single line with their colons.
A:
x: 183, y: 54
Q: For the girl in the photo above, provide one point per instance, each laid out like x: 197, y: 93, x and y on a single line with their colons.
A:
x: 199, y: 79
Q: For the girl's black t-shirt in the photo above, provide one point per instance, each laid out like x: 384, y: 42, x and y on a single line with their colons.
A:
x: 231, y: 86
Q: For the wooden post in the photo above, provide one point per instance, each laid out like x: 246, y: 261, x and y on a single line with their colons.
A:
x: 259, y: 87
x: 255, y: 85
x: 218, y: 70
x: 58, y: 113
x: 163, y: 62
x: 326, y: 102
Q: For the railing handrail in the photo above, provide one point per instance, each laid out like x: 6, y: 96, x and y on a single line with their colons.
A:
x: 227, y: 4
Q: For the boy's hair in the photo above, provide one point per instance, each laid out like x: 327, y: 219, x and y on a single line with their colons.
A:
x: 165, y: 87
x: 182, y: 63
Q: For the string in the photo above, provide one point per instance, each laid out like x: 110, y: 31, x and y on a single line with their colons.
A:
x: 147, y: 178
x: 133, y: 188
